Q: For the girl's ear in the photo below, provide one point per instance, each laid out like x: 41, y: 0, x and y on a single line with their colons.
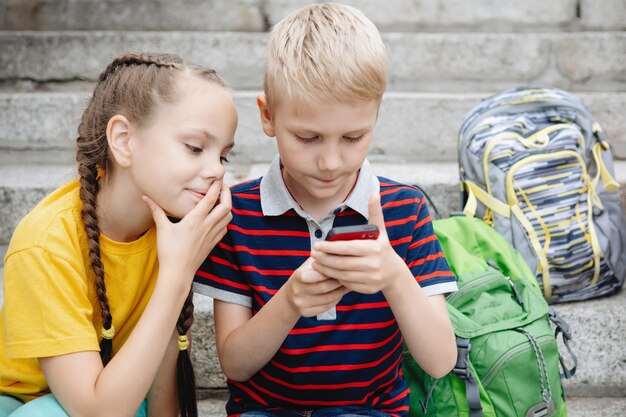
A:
x: 266, y: 117
x: 118, y: 138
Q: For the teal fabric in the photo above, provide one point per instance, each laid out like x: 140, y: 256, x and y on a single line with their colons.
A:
x: 8, y: 404
x: 46, y: 406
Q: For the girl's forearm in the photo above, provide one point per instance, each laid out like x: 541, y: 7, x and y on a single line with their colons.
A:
x: 131, y: 372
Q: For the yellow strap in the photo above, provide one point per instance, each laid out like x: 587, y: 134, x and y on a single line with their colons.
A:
x: 609, y: 182
x: 533, y: 209
x: 475, y: 194
x: 591, y: 237
x: 534, y: 241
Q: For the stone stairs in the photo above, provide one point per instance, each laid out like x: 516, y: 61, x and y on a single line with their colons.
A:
x: 445, y: 56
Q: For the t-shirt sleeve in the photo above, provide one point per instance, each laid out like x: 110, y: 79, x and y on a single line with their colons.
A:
x: 425, y: 257
x: 46, y: 305
x: 220, y: 276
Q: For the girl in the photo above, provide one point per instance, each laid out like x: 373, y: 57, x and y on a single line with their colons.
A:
x: 93, y: 267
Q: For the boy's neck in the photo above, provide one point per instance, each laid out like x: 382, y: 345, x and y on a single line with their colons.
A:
x: 314, y: 206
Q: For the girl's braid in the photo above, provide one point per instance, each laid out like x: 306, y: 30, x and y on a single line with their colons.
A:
x: 185, y: 378
x: 134, y: 58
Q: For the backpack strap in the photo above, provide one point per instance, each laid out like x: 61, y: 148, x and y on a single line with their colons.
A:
x: 564, y: 329
x: 602, y: 172
x: 463, y: 371
x: 475, y: 193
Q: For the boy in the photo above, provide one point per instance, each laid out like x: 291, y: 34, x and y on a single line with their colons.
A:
x: 311, y: 327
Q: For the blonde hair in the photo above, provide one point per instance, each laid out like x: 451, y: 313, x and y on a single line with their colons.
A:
x: 325, y: 51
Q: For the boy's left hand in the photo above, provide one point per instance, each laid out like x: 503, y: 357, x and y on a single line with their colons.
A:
x: 364, y: 266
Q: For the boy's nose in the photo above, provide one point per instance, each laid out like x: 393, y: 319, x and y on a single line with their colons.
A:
x: 329, y: 160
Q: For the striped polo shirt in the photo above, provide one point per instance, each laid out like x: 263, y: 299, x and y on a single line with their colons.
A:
x: 351, y: 355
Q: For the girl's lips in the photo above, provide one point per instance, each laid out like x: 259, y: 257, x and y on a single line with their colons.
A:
x: 198, y: 193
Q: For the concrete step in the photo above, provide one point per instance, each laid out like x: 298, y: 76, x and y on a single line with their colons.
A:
x: 412, y: 127
x: 255, y: 15
x: 576, y: 406
x: 478, y: 15
x: 23, y: 185
x: 236, y: 15
x: 440, y: 62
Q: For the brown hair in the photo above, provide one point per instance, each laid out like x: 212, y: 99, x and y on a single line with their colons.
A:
x: 133, y: 84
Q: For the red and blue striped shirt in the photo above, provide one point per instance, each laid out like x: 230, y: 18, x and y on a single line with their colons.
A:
x: 355, y: 357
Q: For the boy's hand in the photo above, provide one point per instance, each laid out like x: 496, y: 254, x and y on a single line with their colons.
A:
x: 364, y: 266
x: 310, y: 293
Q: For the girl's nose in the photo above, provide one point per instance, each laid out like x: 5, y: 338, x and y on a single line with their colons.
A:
x: 213, y: 169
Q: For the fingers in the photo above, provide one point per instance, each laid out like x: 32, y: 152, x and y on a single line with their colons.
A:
x: 315, y: 282
x: 323, y: 302
x: 313, y: 293
x: 345, y: 248
x: 376, y: 212
x: 158, y: 214
x: 207, y: 202
x: 335, y: 265
x: 223, y: 207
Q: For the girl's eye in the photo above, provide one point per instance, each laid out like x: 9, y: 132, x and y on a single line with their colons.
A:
x: 353, y: 139
x: 307, y: 140
x: 193, y: 148
x: 224, y: 160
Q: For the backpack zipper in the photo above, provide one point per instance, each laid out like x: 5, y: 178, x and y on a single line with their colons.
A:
x: 513, y: 352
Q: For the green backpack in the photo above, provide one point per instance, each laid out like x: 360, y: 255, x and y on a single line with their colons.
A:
x: 508, y: 359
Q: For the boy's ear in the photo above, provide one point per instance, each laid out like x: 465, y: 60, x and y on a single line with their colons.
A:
x: 266, y: 116
x: 118, y: 138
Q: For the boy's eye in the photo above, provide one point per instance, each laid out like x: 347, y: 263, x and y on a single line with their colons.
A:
x: 224, y: 160
x: 307, y: 139
x: 353, y: 139
x: 193, y: 148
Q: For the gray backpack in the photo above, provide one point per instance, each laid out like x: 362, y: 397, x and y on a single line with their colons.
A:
x: 536, y: 166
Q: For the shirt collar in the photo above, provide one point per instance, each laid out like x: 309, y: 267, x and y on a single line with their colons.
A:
x: 276, y: 198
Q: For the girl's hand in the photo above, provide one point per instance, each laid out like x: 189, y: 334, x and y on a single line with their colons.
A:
x: 310, y: 293
x: 184, y: 245
x: 364, y: 266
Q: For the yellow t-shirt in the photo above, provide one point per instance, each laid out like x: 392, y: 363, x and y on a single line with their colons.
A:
x: 50, y: 302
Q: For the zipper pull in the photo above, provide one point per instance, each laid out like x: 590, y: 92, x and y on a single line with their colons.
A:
x: 515, y: 291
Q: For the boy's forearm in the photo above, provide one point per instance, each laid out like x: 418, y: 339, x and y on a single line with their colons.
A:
x: 424, y: 324
x: 247, y: 349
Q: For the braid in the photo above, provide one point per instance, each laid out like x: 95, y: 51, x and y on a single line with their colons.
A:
x: 88, y: 192
x: 134, y: 58
x: 185, y: 377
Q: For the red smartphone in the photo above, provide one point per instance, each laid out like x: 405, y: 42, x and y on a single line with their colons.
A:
x: 364, y: 231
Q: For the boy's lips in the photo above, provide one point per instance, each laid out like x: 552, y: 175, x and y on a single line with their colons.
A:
x: 325, y: 180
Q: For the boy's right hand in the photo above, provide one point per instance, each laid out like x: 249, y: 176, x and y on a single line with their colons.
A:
x: 310, y: 293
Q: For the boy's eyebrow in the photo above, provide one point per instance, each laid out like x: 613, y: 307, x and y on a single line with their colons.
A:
x: 311, y: 130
